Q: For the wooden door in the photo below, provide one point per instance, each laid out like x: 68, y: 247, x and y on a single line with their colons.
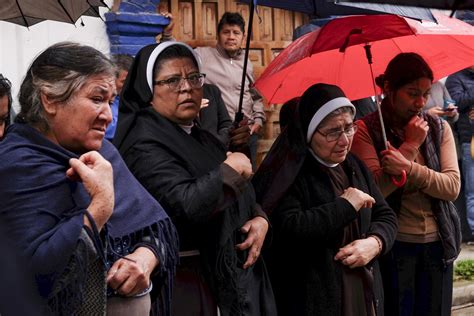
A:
x: 196, y: 24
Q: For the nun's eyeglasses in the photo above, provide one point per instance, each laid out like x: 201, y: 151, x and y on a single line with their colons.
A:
x: 334, y: 136
x: 175, y: 83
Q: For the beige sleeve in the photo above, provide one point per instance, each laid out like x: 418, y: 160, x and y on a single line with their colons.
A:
x: 446, y: 183
x: 363, y: 147
x: 258, y: 113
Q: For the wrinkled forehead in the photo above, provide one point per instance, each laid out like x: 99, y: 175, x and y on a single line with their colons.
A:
x: 338, y: 118
x: 100, y: 83
x: 232, y: 27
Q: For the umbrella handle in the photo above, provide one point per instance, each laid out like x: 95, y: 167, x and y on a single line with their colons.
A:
x: 402, y: 181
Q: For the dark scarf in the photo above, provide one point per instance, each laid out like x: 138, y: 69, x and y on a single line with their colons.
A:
x: 39, y: 187
x: 288, y: 159
x: 200, y: 152
x: 445, y: 213
x: 285, y: 159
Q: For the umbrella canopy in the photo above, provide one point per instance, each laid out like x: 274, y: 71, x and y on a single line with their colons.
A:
x: 335, y: 53
x: 327, y: 8
x: 30, y: 12
x: 437, y: 4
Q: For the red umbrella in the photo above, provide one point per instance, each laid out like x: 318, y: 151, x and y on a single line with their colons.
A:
x: 335, y: 53
x: 341, y: 53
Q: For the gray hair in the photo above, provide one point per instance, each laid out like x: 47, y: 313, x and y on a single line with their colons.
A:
x: 337, y: 112
x: 58, y: 72
x: 122, y: 62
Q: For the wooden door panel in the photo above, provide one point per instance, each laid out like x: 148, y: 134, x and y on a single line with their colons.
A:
x: 197, y: 25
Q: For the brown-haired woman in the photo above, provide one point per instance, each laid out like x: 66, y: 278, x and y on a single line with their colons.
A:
x: 418, y: 271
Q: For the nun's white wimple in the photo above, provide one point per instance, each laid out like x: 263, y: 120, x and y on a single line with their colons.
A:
x: 324, y: 111
x: 156, y: 52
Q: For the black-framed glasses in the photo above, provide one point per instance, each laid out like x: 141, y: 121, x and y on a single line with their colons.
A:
x: 175, y: 83
x: 334, y: 136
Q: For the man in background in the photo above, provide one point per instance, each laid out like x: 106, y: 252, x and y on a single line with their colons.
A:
x: 461, y: 88
x: 123, y: 63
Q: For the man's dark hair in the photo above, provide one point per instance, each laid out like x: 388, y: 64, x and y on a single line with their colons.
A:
x: 6, y: 90
x: 231, y: 18
x: 122, y: 62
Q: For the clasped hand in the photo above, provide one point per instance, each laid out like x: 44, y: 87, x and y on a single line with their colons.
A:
x: 131, y: 275
x: 256, y: 230
x: 358, y: 253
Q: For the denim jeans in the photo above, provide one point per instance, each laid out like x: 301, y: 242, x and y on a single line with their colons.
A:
x: 415, y: 280
x: 468, y: 175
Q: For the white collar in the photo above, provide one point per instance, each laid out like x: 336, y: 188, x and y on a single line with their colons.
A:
x: 187, y: 128
x: 329, y: 165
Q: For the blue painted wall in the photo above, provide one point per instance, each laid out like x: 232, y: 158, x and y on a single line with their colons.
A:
x: 134, y: 25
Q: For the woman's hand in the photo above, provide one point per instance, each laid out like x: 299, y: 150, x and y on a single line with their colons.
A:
x: 256, y: 230
x: 416, y: 131
x: 204, y: 103
x: 393, y: 162
x: 255, y: 129
x: 240, y: 163
x: 357, y: 198
x: 132, y: 276
x: 358, y: 253
x: 451, y: 111
x: 96, y: 175
x: 436, y: 111
x: 168, y: 30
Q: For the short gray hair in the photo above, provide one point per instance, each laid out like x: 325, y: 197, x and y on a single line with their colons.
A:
x: 58, y: 72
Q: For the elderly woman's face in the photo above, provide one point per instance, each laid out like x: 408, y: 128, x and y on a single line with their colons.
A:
x: 333, y: 150
x: 79, y: 124
x: 180, y: 105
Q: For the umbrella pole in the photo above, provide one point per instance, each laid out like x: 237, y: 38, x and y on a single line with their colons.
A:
x: 239, y: 116
x: 368, y: 54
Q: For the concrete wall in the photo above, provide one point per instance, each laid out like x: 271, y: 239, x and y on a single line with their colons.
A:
x: 19, y: 45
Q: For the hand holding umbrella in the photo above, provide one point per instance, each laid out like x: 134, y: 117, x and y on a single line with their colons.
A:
x: 393, y: 161
x: 368, y: 54
x: 395, y: 164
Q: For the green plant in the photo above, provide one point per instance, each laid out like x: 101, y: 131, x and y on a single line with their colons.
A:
x: 465, y: 269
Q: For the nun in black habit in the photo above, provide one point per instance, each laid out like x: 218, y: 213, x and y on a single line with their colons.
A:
x: 330, y: 222
x: 205, y: 191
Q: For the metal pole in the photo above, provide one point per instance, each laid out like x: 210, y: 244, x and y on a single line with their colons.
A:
x: 239, y: 116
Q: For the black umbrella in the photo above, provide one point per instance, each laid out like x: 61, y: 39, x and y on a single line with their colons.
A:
x: 30, y: 12
x: 327, y: 8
